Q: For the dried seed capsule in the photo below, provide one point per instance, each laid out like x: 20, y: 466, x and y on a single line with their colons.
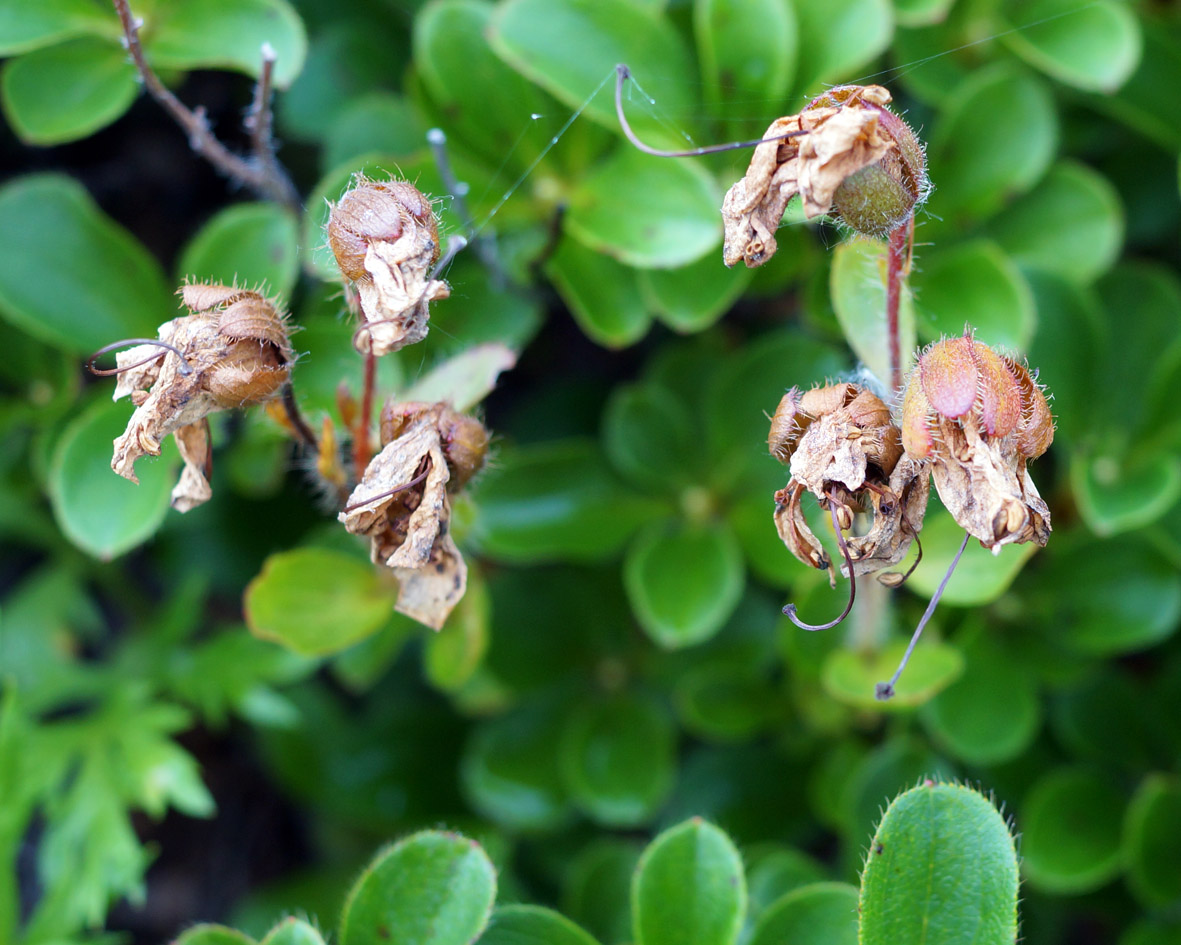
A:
x: 377, y: 211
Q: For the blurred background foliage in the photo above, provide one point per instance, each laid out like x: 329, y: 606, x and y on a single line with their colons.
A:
x: 620, y: 662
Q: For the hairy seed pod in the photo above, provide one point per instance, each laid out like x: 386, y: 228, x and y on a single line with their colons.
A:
x: 376, y: 211
x: 465, y: 444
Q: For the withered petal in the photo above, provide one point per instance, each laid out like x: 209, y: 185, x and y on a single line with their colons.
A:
x: 193, y: 489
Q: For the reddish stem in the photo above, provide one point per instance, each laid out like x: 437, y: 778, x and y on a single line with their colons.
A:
x: 895, y: 269
x: 361, y: 447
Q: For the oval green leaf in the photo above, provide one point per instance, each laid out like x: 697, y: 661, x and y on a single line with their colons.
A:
x: 684, y: 580
x: 292, y: 931
x: 100, y: 512
x: 648, y: 435
x: 464, y: 380
x: 598, y: 887
x: 1114, y: 499
x: 689, y: 888
x: 247, y: 244
x: 693, y: 297
x: 892, y: 767
x: 724, y: 703
x: 851, y: 677
x: 823, y: 913
x: 432, y: 888
x: 68, y: 91
x: 942, y: 867
x: 617, y: 758
x: 380, y: 122
x: 451, y: 657
x: 28, y: 26
x: 533, y: 925
x: 1070, y: 831
x: 212, y: 935
x: 1152, y: 841
x: 602, y: 294
x: 69, y: 275
x: 920, y: 13
x: 315, y: 601
x: 777, y: 872
x: 839, y: 37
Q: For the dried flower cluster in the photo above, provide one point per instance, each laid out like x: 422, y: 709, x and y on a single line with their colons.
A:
x: 386, y: 239
x: 230, y: 351
x: 848, y: 155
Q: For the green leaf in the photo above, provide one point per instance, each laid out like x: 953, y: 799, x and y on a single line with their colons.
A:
x: 532, y: 925
x: 975, y: 284
x: 994, y: 141
x: 452, y: 656
x: 821, y: 913
x: 68, y: 91
x: 942, y: 867
x: 689, y: 888
x: 602, y: 294
x: 646, y: 211
x: 247, y: 244
x: 1071, y: 224
x: 747, y: 51
x: 1113, y: 499
x: 858, y: 283
x: 892, y: 767
x: 775, y: 873
x: 693, y: 297
x: 851, y: 677
x: 464, y: 380
x: 724, y: 703
x: 212, y: 935
x: 571, y: 47
x: 509, y: 769
x: 547, y: 502
x: 432, y: 888
x: 921, y: 12
x: 316, y: 601
x: 226, y: 34
x: 1152, y: 839
x: 379, y: 122
x: 648, y: 435
x: 839, y: 37
x: 485, y: 102
x: 980, y: 578
x: 684, y: 580
x: 68, y: 274
x: 1095, y: 47
x: 1142, y: 103
x: 293, y: 931
x: 27, y: 26
x: 598, y: 887
x: 617, y: 758
x: 104, y: 514
x: 1070, y: 831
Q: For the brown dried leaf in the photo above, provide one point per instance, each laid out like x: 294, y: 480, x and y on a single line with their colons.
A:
x: 193, y: 489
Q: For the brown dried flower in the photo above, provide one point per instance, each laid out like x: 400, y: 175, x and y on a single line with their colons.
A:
x: 231, y: 351
x: 386, y: 239
x: 978, y: 418
x: 842, y: 447
x: 849, y: 156
x: 402, y: 504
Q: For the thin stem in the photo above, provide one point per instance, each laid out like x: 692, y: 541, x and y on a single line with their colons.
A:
x: 485, y: 248
x: 361, y: 448
x: 454, y: 246
x: 622, y: 73
x: 790, y: 610
x: 895, y: 268
x: 127, y: 342
x: 265, y: 178
x: 884, y: 691
x: 295, y: 418
x: 390, y: 492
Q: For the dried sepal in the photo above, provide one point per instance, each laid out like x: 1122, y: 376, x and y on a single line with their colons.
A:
x: 978, y: 417
x: 385, y: 238
x: 205, y: 370
x: 403, y: 506
x: 849, y: 156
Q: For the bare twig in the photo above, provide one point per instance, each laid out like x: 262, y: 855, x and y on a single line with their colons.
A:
x: 265, y: 177
x: 896, y: 265
x: 298, y: 423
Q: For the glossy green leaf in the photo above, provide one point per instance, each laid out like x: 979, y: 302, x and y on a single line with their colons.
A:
x: 852, y: 677
x: 1113, y: 499
x: 617, y: 758
x: 747, y: 51
x: 1152, y: 841
x: 824, y: 913
x: 689, y: 888
x: 532, y: 925
x: 1142, y: 103
x: 649, y: 437
x: 724, y: 703
x: 316, y: 601
x: 858, y: 283
x: 598, y: 887
x: 509, y: 768
x: 691, y: 298
x: 684, y: 580
x: 453, y: 655
x: 464, y: 380
x: 226, y: 34
x: 1095, y: 47
x: 646, y: 211
x: 380, y: 122
x: 942, y: 867
x: 571, y: 47
x: 68, y: 91
x: 975, y: 284
x: 293, y: 931
x: 27, y: 26
x: 432, y: 888
x: 68, y: 274
x: 921, y: 12
x: 602, y: 294
x: 104, y: 514
x: 838, y: 38
x: 212, y: 935
x: 487, y: 104
x: 772, y: 875
x: 980, y: 577
x: 249, y: 244
x: 991, y: 714
x: 547, y: 502
x: 1070, y: 831
x: 891, y: 768
x: 1071, y: 224
x: 993, y: 142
